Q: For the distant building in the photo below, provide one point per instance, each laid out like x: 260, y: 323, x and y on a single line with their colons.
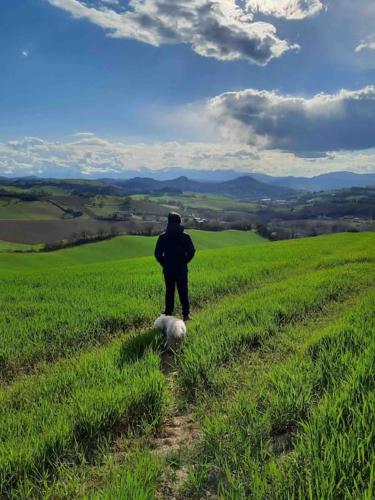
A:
x: 123, y: 215
x: 198, y: 220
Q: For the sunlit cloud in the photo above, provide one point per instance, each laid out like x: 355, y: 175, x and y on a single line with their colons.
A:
x: 221, y: 29
x: 289, y: 9
x: 320, y: 124
x: 93, y: 156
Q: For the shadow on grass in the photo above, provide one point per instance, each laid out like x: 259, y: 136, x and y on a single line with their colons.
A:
x: 136, y: 346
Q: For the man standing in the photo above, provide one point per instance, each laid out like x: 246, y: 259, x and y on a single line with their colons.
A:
x: 174, y: 250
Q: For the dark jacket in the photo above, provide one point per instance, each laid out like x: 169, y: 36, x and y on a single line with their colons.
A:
x: 174, y: 250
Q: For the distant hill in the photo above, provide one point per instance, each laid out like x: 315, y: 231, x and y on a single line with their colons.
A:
x: 181, y: 178
x: 244, y: 187
x: 164, y: 174
x: 323, y: 182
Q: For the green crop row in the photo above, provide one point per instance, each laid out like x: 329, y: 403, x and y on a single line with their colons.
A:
x: 73, y: 405
x: 45, y: 416
x: 253, y: 317
x: 49, y: 315
x: 116, y: 388
x: 138, y: 479
x: 263, y: 449
x: 334, y: 456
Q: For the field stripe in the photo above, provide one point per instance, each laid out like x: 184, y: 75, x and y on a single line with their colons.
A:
x: 252, y: 318
x: 42, y: 419
x: 329, y: 388
x: 52, y: 315
x: 121, y: 482
x: 108, y: 390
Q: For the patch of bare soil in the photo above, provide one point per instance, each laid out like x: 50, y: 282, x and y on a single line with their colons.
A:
x: 178, y: 432
x: 177, y: 435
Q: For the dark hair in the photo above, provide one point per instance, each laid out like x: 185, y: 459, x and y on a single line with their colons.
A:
x: 174, y: 218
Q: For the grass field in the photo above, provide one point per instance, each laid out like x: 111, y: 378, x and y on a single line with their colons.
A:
x: 271, y: 396
x: 119, y: 248
x: 6, y: 246
x: 195, y: 200
x: 31, y: 210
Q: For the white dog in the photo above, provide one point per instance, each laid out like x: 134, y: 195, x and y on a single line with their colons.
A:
x: 174, y: 329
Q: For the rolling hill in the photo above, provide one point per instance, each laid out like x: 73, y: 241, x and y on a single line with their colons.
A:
x: 271, y: 395
x: 244, y: 187
x: 323, y: 182
x: 175, y: 177
x: 240, y: 185
x: 119, y: 248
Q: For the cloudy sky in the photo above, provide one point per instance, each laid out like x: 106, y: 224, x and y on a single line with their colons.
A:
x: 103, y: 87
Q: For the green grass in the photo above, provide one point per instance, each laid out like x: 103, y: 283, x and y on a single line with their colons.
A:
x: 308, y: 433
x: 210, y: 201
x: 46, y: 315
x: 6, y: 246
x: 81, y: 367
x: 120, y: 248
x: 51, y: 314
x: 30, y: 210
x: 137, y: 480
x: 72, y: 407
x: 105, y: 205
x: 252, y: 318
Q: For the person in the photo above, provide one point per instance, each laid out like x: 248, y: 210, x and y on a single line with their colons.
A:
x: 174, y: 250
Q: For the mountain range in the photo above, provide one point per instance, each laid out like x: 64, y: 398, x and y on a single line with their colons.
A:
x: 226, y: 182
x: 244, y: 187
x: 323, y: 182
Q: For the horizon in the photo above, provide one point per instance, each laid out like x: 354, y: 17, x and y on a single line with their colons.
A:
x: 110, y: 88
x: 185, y: 175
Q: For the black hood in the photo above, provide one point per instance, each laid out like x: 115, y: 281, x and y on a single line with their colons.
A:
x: 172, y: 227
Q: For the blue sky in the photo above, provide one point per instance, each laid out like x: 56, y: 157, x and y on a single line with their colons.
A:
x: 100, y: 87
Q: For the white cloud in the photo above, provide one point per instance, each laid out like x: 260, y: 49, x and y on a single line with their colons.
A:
x: 368, y: 44
x: 325, y: 122
x: 83, y: 134
x: 289, y: 9
x: 25, y: 53
x: 214, y: 28
x: 97, y: 157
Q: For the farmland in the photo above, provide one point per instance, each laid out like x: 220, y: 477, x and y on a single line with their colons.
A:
x: 6, y: 246
x: 197, y: 201
x: 45, y: 211
x: 118, y: 248
x: 33, y: 210
x: 271, y: 396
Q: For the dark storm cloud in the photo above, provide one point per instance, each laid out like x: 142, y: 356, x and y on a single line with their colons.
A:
x: 342, y: 121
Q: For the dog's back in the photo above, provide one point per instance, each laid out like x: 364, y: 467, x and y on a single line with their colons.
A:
x: 174, y: 329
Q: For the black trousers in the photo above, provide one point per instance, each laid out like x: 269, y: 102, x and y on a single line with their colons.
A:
x: 182, y: 287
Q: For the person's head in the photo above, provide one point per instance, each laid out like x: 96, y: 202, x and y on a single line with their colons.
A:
x: 174, y: 218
